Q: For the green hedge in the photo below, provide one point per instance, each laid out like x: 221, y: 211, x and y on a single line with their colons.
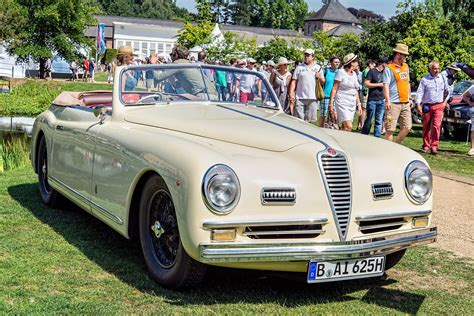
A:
x: 110, y: 54
x: 35, y: 96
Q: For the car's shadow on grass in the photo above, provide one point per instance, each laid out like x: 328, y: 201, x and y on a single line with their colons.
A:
x: 123, y: 259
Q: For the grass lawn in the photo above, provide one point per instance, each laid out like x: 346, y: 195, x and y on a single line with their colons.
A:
x: 34, y: 96
x: 452, y: 156
x: 65, y: 261
x: 100, y: 76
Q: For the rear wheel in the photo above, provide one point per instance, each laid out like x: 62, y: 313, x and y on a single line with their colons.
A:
x: 392, y: 259
x: 49, y: 196
x: 164, y: 254
x: 461, y: 133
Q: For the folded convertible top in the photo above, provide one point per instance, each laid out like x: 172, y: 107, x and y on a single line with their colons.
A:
x: 70, y: 98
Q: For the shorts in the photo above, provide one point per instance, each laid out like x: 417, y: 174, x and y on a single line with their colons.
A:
x: 150, y: 83
x: 399, y: 113
x: 472, y: 118
x: 363, y: 101
x: 324, y: 110
x: 246, y: 97
x: 305, y: 109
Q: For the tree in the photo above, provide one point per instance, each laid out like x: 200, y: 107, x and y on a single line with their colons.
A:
x: 157, y: 9
x: 52, y: 26
x: 328, y: 46
x: 11, y: 20
x: 233, y: 46
x: 204, y: 9
x: 287, y: 14
x: 192, y: 35
x: 278, y: 47
x: 435, y: 41
x: 430, y: 31
x: 366, y: 15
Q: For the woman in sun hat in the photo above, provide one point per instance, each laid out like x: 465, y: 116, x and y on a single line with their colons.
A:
x: 280, y: 81
x: 125, y: 58
x: 344, y: 98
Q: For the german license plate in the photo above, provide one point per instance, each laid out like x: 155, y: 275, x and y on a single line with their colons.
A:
x: 328, y: 271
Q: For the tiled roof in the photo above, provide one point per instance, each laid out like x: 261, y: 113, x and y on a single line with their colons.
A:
x: 344, y: 29
x: 334, y: 11
x: 261, y: 34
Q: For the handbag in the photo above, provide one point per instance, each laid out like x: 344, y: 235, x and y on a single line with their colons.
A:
x: 330, y: 123
x: 319, y: 91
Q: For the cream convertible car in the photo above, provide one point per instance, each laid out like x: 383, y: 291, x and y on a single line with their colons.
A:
x: 174, y: 159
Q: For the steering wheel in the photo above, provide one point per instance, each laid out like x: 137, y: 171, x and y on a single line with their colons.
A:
x: 157, y: 98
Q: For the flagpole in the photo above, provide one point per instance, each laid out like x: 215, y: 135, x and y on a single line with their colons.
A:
x: 97, y: 45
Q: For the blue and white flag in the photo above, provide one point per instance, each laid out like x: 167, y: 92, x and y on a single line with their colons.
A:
x: 101, y: 38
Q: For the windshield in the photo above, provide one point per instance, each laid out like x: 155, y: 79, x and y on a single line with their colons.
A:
x: 153, y: 84
x: 461, y: 87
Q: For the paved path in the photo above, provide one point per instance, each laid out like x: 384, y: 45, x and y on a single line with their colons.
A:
x: 453, y: 213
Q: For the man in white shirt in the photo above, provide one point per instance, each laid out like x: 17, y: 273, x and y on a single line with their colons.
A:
x: 304, y: 82
x: 247, y: 82
x: 468, y: 97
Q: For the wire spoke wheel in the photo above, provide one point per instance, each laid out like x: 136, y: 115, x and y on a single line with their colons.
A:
x: 164, y: 232
x: 164, y: 254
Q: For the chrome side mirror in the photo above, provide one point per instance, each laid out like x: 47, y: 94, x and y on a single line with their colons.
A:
x: 99, y: 111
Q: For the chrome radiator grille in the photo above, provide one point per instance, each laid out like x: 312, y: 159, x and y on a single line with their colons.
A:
x: 337, y: 179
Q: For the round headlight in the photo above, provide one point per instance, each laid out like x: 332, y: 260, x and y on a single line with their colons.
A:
x: 221, y: 189
x: 418, y: 181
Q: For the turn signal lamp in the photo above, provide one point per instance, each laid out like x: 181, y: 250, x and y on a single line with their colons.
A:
x: 223, y: 235
x: 419, y: 222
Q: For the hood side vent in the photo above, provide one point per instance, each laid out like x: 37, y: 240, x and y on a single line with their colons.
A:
x: 278, y: 196
x: 381, y: 191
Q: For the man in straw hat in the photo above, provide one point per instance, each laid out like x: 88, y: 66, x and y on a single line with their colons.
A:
x: 303, y: 102
x: 396, y: 79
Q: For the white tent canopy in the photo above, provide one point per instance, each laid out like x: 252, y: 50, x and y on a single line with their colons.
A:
x: 217, y: 38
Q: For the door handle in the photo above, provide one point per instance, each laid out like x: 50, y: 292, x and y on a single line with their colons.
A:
x: 60, y: 127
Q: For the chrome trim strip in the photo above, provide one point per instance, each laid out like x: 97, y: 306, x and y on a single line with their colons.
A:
x: 264, y: 222
x: 68, y: 188
x: 328, y: 187
x: 369, y: 227
x: 97, y: 207
x: 235, y: 252
x: 113, y: 217
x: 391, y: 215
x: 276, y: 124
x: 284, y: 232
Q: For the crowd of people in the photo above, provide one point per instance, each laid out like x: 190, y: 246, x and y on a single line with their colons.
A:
x: 88, y: 67
x: 380, y: 94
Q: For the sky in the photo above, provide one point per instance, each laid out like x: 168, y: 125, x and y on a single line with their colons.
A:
x: 386, y: 8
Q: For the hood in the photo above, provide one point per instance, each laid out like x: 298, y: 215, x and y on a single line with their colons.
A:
x: 233, y: 123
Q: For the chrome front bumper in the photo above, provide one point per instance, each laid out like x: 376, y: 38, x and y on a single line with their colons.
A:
x: 357, y: 248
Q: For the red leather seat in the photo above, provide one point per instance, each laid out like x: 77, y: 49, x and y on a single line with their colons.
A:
x: 97, y: 98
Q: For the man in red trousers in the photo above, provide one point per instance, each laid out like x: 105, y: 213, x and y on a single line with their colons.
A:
x: 430, y: 101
